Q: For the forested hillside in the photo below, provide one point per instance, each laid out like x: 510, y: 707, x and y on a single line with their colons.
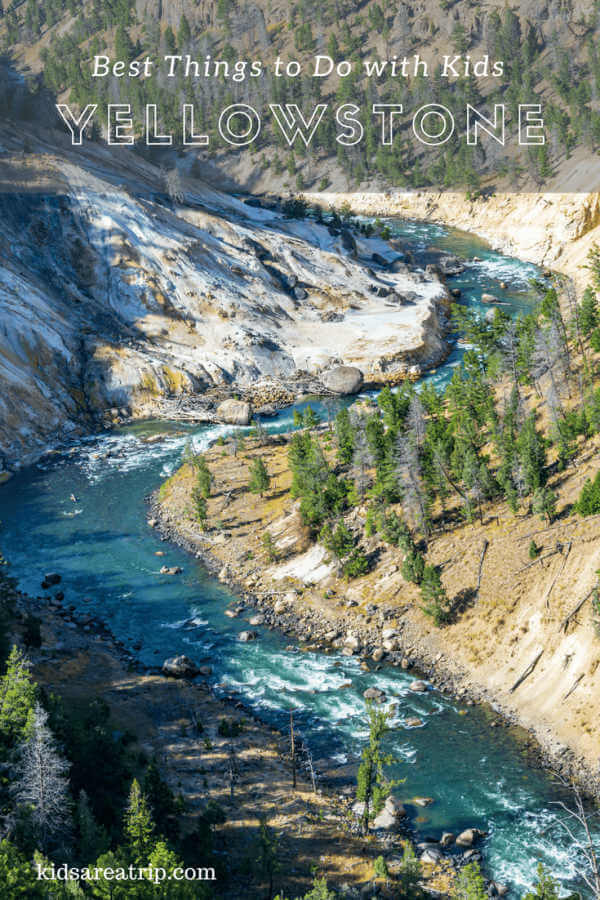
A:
x: 549, y: 51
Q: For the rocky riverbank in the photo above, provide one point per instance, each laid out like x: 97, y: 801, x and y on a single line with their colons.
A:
x: 178, y: 720
x: 378, y: 617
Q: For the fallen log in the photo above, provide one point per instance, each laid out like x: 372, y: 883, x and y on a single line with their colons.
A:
x: 527, y: 672
x: 573, y: 686
x: 565, y: 622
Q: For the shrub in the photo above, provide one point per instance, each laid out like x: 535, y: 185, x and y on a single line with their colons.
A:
x: 356, y: 564
x: 534, y: 550
x: 413, y: 567
x: 433, y: 593
x: 588, y: 503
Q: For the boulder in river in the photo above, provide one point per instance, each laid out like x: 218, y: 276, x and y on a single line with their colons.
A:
x: 489, y: 298
x: 423, y: 801
x: 50, y: 579
x: 180, y: 667
x: 343, y: 380
x: 447, y: 839
x: 431, y: 855
x: 246, y: 636
x: 469, y: 836
x: 374, y: 693
x: 385, y: 820
x: 171, y: 570
x: 419, y: 687
x: 234, y: 412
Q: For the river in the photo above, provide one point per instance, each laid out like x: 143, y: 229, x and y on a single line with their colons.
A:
x: 478, y: 775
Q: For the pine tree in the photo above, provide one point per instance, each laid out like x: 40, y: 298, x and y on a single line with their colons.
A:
x: 17, y: 874
x: 203, y: 476
x: 345, y: 436
x: 470, y: 884
x: 546, y: 887
x: 93, y: 838
x: 138, y: 825
x: 259, y: 477
x: 163, y: 858
x: 373, y: 787
x: 433, y: 593
x: 185, y: 32
x: 544, y: 503
x: 200, y: 506
x: 40, y: 782
x: 17, y: 700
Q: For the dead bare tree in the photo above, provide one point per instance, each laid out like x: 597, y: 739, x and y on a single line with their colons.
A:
x: 577, y: 818
x: 408, y: 468
x: 41, y: 783
x: 174, y: 185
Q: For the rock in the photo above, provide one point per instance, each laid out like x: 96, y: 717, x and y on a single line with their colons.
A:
x: 180, y: 667
x: 358, y: 809
x: 386, y: 820
x: 503, y: 285
x: 447, y: 839
x: 389, y: 633
x: 257, y: 620
x: 413, y: 722
x: 423, y: 801
x: 393, y: 805
x: 489, y: 298
x: 232, y: 613
x: 419, y: 687
x: 246, y: 636
x: 406, y: 662
x: 52, y: 578
x: 378, y: 654
x: 235, y: 412
x: 455, y: 292
x: 152, y: 523
x: 352, y: 641
x: 171, y: 570
x: 451, y: 265
x: 300, y: 293
x: 469, y: 837
x: 390, y: 644
x: 497, y: 889
x: 343, y: 380
x: 380, y: 260
x: 490, y: 315
x: 374, y: 693
x: 431, y: 855
x: 205, y: 671
x: 279, y: 607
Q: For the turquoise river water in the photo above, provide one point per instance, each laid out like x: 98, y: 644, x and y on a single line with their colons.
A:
x: 478, y: 775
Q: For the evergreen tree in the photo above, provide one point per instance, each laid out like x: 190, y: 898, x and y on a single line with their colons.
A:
x: 545, y: 888
x: 200, y: 506
x: 93, y: 838
x: 17, y: 701
x: 433, y: 593
x: 373, y: 787
x: 470, y: 884
x: 345, y: 436
x: 544, y: 503
x: 259, y: 477
x: 185, y: 32
x: 203, y: 476
x: 17, y: 875
x: 138, y: 826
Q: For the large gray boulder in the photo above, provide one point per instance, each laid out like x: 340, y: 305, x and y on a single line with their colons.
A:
x: 180, y: 667
x: 343, y: 380
x: 234, y: 412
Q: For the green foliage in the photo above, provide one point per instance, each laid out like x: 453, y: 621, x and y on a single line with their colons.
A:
x: 470, y: 884
x: 270, y: 547
x: 18, y: 694
x: 345, y: 436
x: 230, y: 728
x: 138, y: 825
x: 200, y: 506
x: 17, y: 875
x: 380, y: 869
x: 259, y: 477
x: 413, y: 567
x: 203, y: 475
x: 373, y: 786
x: 356, y: 565
x: 534, y: 550
x: 322, y: 493
x: 340, y: 542
x: 545, y: 888
x: 588, y: 502
x: 544, y: 503
x: 433, y: 594
x: 409, y: 874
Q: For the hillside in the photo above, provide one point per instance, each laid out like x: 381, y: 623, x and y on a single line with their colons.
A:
x: 547, y: 50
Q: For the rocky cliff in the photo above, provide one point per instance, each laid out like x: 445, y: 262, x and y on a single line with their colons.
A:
x: 115, y: 298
